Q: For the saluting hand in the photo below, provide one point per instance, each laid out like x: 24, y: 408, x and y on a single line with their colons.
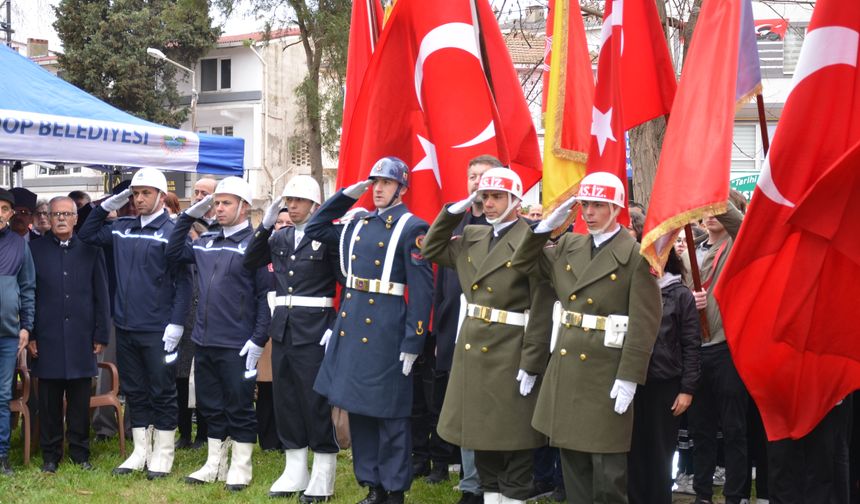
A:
x: 557, y: 217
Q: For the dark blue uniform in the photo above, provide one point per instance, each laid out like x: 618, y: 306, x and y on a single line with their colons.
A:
x: 231, y: 309
x: 150, y: 293
x: 72, y: 313
x: 362, y: 371
x: 309, y: 270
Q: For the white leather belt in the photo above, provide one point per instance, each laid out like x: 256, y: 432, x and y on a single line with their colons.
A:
x: 306, y: 301
x: 375, y: 286
x: 488, y: 314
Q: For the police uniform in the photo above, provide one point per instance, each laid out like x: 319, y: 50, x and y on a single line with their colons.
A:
x: 483, y: 408
x: 574, y: 407
x: 305, y: 282
x: 362, y: 372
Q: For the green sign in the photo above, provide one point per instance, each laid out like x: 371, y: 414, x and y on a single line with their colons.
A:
x: 745, y: 184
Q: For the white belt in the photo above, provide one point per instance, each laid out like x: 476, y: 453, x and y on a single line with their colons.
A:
x: 375, y: 286
x: 306, y: 301
x: 488, y: 314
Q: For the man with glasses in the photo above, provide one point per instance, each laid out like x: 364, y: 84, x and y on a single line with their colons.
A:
x: 70, y: 329
x: 18, y: 292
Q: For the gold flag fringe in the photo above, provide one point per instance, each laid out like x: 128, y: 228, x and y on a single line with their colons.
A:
x: 672, y: 226
x: 557, y: 149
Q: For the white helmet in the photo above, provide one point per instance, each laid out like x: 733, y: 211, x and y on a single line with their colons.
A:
x: 502, y: 179
x: 601, y: 186
x: 303, y: 186
x: 149, y: 177
x: 235, y: 186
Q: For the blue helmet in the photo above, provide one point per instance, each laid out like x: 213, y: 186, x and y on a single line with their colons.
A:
x: 391, y: 168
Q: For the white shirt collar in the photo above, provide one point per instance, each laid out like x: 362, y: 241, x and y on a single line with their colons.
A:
x: 231, y: 230
x: 146, y: 219
x: 383, y: 210
x: 601, y: 238
x: 498, y: 227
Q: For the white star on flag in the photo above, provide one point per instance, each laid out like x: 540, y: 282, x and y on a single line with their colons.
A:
x: 601, y: 127
x: 429, y: 161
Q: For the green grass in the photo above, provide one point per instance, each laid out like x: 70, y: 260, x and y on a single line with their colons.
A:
x: 71, y: 484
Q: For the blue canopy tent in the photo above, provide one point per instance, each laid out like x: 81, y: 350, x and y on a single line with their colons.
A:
x: 44, y: 118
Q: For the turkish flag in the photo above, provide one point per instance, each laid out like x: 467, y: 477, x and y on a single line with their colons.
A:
x: 431, y: 98
x: 365, y: 25
x: 789, y: 292
x: 635, y: 83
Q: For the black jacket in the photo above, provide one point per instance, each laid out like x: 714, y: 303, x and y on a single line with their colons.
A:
x: 676, y: 351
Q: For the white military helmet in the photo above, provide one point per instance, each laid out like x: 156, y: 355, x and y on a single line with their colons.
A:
x: 602, y: 186
x: 235, y: 186
x: 303, y: 186
x: 502, y: 179
x: 149, y: 177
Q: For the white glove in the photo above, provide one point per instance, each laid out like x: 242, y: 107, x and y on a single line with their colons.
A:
x: 527, y: 382
x: 172, y: 335
x: 623, y: 392
x: 200, y: 208
x: 463, y: 205
x: 556, y: 218
x: 408, y: 359
x: 271, y: 216
x: 253, y: 353
x: 325, y: 338
x: 114, y: 203
x: 356, y: 190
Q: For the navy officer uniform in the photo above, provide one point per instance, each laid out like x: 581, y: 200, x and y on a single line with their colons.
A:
x: 362, y: 371
x: 306, y: 276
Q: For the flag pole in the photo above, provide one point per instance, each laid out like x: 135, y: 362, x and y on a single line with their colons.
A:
x: 762, y: 122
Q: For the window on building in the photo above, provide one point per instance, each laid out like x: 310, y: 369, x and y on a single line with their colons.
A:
x: 217, y: 130
x: 744, y: 148
x: 793, y: 40
x: 215, y: 74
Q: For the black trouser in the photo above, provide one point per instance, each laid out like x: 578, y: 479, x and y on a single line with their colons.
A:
x: 506, y: 472
x: 721, y: 400
x: 685, y: 445
x: 547, y: 462
x: 303, y: 416
x: 184, y: 424
x: 77, y: 393
x: 224, y: 396
x: 814, y: 468
x: 429, y: 385
x: 655, y: 432
x: 599, y: 478
x: 756, y: 454
x: 148, y: 383
x: 267, y: 429
x: 381, y: 448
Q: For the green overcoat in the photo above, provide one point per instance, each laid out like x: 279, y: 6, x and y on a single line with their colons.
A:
x: 574, y: 408
x: 483, y: 408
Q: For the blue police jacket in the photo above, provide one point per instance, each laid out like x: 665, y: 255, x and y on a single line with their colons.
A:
x: 231, y: 306
x: 310, y: 269
x: 72, y: 307
x: 17, y: 284
x: 150, y: 292
x: 361, y: 370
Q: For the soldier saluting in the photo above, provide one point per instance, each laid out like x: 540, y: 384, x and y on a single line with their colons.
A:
x: 377, y: 335
x: 606, y: 324
x: 504, y: 339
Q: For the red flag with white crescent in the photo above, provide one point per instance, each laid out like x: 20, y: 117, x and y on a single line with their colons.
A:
x: 789, y: 293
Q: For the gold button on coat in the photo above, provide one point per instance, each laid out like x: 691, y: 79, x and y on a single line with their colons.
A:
x: 292, y: 258
x: 349, y: 295
x: 485, y: 349
x: 290, y: 273
x: 508, y: 264
x: 475, y: 287
x: 358, y: 238
x: 343, y: 314
x: 376, y: 262
x: 563, y: 351
x: 468, y: 346
x: 289, y: 289
x: 381, y: 244
x: 364, y: 340
x: 489, y: 289
x: 568, y: 267
x: 613, y: 276
x: 370, y: 301
x: 582, y: 356
x: 589, y: 301
x: 352, y: 257
x: 343, y: 333
x: 573, y: 297
x: 367, y: 321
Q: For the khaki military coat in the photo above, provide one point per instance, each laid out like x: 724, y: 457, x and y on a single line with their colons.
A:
x: 574, y: 408
x: 483, y: 408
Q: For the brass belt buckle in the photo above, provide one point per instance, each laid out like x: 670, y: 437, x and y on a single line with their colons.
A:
x: 360, y: 284
x: 503, y: 317
x: 484, y: 313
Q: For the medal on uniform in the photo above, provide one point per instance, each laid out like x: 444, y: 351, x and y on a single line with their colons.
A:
x: 315, y: 245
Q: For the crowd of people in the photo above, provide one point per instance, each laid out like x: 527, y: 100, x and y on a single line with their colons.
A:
x: 542, y: 361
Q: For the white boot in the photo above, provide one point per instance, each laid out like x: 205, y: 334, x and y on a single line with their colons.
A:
x: 215, y: 467
x: 239, y: 475
x: 321, y: 486
x: 139, y: 458
x: 162, y: 454
x: 492, y: 498
x: 508, y: 500
x: 295, y: 476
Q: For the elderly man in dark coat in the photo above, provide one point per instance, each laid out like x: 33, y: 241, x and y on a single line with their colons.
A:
x: 71, y: 327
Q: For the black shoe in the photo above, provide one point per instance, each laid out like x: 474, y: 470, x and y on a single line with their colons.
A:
x: 85, y: 465
x: 5, y: 466
x: 541, y: 489
x: 153, y: 475
x: 198, y: 443
x: 559, y: 494
x: 420, y: 468
x: 49, y: 467
x: 182, y: 443
x: 314, y: 498
x: 395, y: 498
x: 376, y: 495
x: 470, y: 498
x: 235, y: 488
x: 438, y: 474
x: 282, y: 495
x: 122, y: 471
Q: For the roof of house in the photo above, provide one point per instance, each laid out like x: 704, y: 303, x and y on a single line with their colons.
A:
x: 234, y: 40
x: 525, y: 48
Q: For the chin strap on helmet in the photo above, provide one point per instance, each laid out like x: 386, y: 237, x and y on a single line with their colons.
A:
x: 505, y: 214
